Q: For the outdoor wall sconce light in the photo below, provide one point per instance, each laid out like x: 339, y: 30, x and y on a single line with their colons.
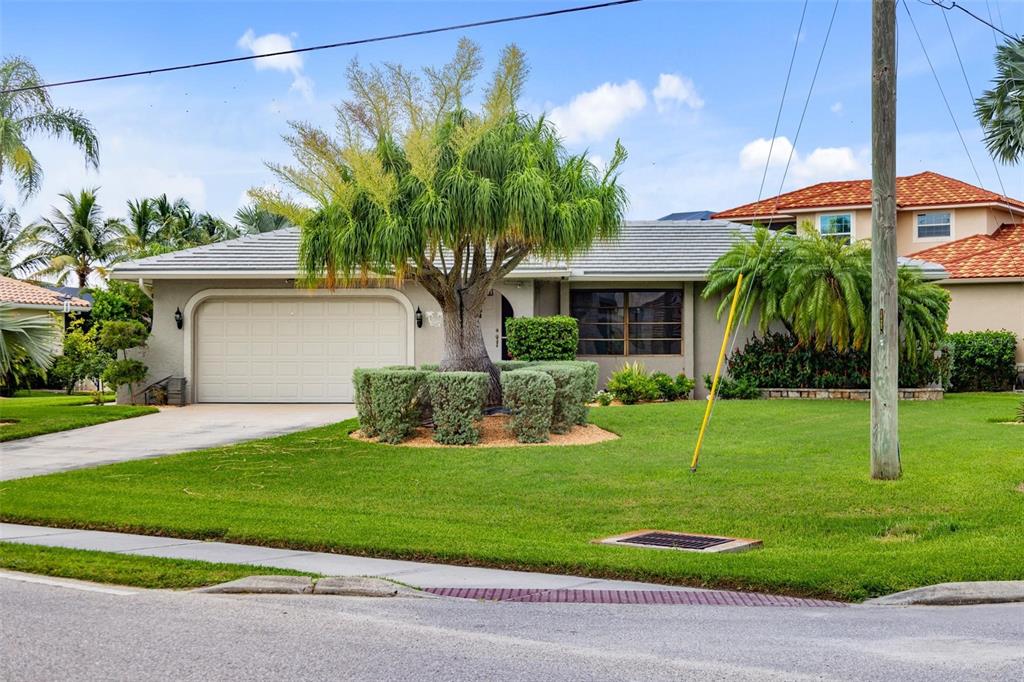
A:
x: 419, y: 317
x: 179, y: 319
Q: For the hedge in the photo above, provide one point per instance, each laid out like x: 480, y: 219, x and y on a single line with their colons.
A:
x: 529, y: 395
x: 362, y: 381
x: 457, y: 399
x: 512, y: 365
x: 542, y: 338
x: 396, y: 401
x: 575, y: 385
x: 983, y: 361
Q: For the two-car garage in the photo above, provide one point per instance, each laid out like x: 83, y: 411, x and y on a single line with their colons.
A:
x: 299, y: 349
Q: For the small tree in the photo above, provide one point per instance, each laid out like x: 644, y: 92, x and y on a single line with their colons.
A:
x: 119, y: 336
x: 82, y: 359
x: 420, y: 187
x: 122, y: 301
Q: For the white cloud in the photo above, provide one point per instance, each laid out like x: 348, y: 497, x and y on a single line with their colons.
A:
x: 675, y: 88
x: 836, y: 108
x: 822, y: 164
x: 592, y: 115
x: 287, y: 63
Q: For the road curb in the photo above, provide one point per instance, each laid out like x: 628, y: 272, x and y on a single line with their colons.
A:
x: 956, y: 594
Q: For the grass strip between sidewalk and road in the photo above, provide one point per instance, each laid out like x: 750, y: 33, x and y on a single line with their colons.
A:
x: 793, y: 473
x: 125, y: 569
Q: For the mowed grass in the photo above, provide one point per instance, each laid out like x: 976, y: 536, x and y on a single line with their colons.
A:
x: 38, y: 413
x: 791, y: 473
x: 125, y: 569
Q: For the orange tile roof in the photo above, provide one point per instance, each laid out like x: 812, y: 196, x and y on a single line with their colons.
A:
x: 22, y: 293
x: 912, y: 191
x: 1000, y: 254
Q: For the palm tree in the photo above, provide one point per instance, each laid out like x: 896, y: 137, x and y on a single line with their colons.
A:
x: 764, y: 259
x: 77, y: 241
x: 31, y: 112
x: 829, y: 281
x: 140, y: 233
x: 420, y: 187
x: 35, y: 337
x: 924, y: 309
x: 253, y: 219
x: 19, y: 248
x: 174, y: 220
x: 208, y: 228
x: 1001, y: 109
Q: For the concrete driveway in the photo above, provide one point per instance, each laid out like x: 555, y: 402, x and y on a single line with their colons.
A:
x: 172, y: 429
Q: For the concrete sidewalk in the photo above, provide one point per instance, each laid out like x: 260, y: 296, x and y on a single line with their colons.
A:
x: 417, y: 574
x: 171, y: 430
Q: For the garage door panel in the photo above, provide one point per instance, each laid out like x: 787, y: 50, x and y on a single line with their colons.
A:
x: 293, y: 350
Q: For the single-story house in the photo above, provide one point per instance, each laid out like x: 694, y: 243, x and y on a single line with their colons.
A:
x: 229, y: 319
x: 28, y: 299
x: 976, y: 234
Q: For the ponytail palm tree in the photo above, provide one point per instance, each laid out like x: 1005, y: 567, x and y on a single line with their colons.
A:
x: 30, y: 112
x: 418, y: 187
x: 77, y: 241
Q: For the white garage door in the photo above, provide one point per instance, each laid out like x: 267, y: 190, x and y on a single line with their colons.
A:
x: 294, y: 350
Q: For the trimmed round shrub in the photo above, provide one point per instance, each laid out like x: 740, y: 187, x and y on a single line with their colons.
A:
x: 124, y: 372
x: 543, y: 338
x: 529, y: 396
x: 362, y: 380
x: 457, y: 399
x: 396, y: 401
x: 575, y: 384
x: 511, y: 365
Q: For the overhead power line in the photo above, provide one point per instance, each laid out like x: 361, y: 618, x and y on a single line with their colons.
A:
x: 954, y: 5
x: 331, y: 46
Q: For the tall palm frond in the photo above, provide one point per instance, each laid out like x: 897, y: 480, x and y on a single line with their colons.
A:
x: 37, y: 336
x: 924, y: 309
x: 254, y: 219
x: 28, y: 113
x: 19, y: 246
x: 1001, y: 109
x: 139, y: 232
x: 77, y: 241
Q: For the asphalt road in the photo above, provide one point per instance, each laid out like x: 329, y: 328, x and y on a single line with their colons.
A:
x: 63, y: 632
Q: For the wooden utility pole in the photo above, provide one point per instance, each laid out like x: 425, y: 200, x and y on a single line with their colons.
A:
x: 885, y: 444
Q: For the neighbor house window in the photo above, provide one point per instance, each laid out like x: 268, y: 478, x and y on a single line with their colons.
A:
x: 839, y: 225
x: 934, y: 225
x: 629, y: 322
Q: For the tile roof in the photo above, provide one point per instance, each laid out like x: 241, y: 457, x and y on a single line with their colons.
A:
x: 656, y: 249
x: 1000, y: 254
x: 912, y: 191
x: 23, y: 294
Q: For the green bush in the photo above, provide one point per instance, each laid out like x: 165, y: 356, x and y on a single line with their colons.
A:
x: 120, y: 335
x: 632, y: 384
x: 430, y: 366
x: 734, y: 389
x: 396, y: 395
x: 604, y: 398
x: 124, y: 373
x: 124, y: 301
x: 665, y: 385
x: 575, y: 385
x: 684, y: 386
x: 511, y: 365
x: 1020, y: 413
x: 362, y: 382
x: 529, y: 395
x: 542, y: 338
x: 457, y: 399
x: 983, y: 361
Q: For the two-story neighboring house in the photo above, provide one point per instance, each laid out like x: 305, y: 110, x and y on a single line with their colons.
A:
x: 975, y: 234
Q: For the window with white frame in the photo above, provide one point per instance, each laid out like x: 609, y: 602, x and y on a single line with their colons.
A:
x: 837, y: 225
x: 934, y: 225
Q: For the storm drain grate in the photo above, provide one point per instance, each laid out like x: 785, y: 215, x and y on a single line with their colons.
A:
x: 690, y: 542
x: 649, y: 597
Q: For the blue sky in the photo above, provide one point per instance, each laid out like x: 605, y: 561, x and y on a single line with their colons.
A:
x: 691, y: 89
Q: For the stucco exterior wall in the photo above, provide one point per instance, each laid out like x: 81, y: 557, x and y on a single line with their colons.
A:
x: 165, y: 353
x: 989, y: 305
x: 545, y: 297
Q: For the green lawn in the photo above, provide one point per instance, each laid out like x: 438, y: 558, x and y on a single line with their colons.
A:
x: 792, y: 473
x: 125, y: 569
x: 39, y: 412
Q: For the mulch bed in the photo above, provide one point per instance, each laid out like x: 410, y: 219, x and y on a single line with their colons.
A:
x: 494, y: 433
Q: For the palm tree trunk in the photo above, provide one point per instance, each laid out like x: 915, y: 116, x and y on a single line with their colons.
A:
x: 83, y: 278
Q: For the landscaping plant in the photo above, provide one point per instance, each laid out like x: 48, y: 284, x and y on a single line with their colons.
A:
x: 121, y: 336
x: 457, y: 399
x: 82, y: 359
x: 733, y: 389
x: 362, y: 382
x: 396, y: 399
x: 604, y: 398
x: 529, y: 396
x: 983, y: 361
x: 543, y: 338
x: 631, y: 384
x: 419, y: 187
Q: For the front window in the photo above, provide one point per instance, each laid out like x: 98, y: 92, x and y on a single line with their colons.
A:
x: 839, y: 226
x: 934, y: 225
x: 629, y: 322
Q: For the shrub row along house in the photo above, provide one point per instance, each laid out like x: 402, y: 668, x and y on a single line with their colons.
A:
x: 976, y: 235
x: 229, y: 318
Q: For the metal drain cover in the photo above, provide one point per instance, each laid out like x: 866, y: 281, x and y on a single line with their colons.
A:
x: 687, y: 542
